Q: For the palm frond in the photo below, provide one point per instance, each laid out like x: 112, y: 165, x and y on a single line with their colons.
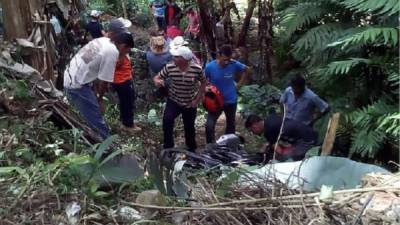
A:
x: 344, y: 66
x: 301, y: 15
x: 372, y: 126
x: 370, y: 35
x: 390, y: 124
x: 366, y: 142
x: 318, y: 37
x: 378, y: 7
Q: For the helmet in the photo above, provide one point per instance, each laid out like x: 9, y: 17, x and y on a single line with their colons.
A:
x: 94, y: 13
x: 213, y: 100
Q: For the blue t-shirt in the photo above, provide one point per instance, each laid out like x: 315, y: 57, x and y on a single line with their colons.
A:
x: 224, y: 78
x: 159, y: 7
x: 157, y: 61
x: 302, y: 108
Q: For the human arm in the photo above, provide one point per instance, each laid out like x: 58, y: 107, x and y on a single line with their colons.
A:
x: 103, y: 32
x: 243, y: 78
x: 202, y: 89
x: 242, y: 71
x: 207, y: 73
x: 322, y: 106
x: 282, y: 101
x: 159, y: 79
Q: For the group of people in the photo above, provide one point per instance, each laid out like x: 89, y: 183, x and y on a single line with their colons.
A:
x: 167, y: 15
x: 178, y: 74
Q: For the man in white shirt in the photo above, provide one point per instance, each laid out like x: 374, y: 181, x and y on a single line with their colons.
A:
x: 95, y: 61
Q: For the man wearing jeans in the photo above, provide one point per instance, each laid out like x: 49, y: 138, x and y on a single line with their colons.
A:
x: 222, y: 73
x: 182, y: 78
x: 95, y: 61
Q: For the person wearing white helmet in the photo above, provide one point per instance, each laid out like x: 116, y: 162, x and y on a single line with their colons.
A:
x: 180, y: 41
x: 182, y: 78
x: 94, y: 27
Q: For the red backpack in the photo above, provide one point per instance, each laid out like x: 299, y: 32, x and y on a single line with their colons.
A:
x: 213, y: 100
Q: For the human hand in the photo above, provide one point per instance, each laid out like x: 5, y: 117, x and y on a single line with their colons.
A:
x: 101, y: 105
x: 159, y: 83
x: 195, y: 103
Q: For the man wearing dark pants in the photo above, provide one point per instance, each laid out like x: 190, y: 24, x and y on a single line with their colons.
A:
x: 182, y: 78
x: 222, y: 73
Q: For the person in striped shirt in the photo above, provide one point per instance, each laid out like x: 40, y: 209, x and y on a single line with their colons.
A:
x: 186, y: 82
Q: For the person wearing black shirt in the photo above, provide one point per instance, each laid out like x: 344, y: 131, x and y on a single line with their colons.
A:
x: 94, y: 27
x: 296, y: 138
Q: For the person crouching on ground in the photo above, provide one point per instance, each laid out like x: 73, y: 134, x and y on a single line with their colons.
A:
x: 123, y: 85
x: 183, y: 77
x: 296, y: 138
x: 95, y: 61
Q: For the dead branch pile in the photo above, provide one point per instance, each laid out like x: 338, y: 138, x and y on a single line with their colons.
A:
x: 270, y: 202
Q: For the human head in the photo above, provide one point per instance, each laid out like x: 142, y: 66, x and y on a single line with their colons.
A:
x: 94, y: 14
x: 224, y: 55
x: 298, y: 84
x: 182, y: 55
x: 124, y: 42
x: 189, y: 9
x: 157, y: 44
x: 254, y: 124
x: 114, y: 28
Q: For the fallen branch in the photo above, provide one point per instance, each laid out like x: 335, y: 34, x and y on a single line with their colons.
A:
x: 357, y: 190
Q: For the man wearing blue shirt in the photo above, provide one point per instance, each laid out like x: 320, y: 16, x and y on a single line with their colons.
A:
x: 222, y: 73
x: 301, y: 103
x: 158, y: 9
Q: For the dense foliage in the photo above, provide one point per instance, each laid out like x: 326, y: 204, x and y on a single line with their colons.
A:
x: 349, y: 51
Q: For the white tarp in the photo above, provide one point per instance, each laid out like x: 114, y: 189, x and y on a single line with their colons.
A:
x: 341, y: 173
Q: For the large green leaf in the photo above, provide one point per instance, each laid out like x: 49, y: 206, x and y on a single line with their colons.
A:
x: 318, y: 37
x: 387, y: 7
x: 301, y: 15
x: 104, y: 146
x: 343, y: 67
x: 370, y: 36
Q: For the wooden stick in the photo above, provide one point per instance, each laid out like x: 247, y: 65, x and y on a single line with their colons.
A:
x: 215, y: 208
x: 357, y: 190
x: 330, y: 135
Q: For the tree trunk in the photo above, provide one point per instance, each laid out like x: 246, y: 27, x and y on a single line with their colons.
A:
x: 17, y: 19
x: 123, y: 4
x: 207, y: 26
x: 241, y: 41
x: 265, y: 11
x: 20, y: 19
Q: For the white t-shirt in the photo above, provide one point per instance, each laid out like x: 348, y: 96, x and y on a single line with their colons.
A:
x: 96, y: 60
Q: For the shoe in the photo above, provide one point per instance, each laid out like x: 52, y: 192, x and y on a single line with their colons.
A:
x: 130, y: 130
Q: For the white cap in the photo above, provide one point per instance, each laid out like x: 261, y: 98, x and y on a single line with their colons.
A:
x: 178, y: 42
x: 127, y: 23
x: 183, y: 51
x: 94, y: 13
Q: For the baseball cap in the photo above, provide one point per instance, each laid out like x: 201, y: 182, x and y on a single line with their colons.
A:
x: 183, y: 51
x: 116, y: 26
x: 178, y: 42
x: 94, y: 13
x: 127, y: 23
